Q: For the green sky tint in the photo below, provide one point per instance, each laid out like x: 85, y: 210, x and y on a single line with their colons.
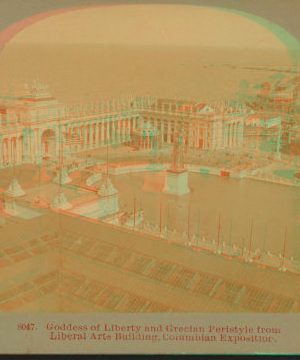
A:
x: 289, y: 41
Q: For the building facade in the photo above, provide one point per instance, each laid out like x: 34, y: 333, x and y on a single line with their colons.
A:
x: 35, y: 126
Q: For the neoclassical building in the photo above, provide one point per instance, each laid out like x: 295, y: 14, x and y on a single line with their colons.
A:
x: 34, y: 125
x: 200, y: 125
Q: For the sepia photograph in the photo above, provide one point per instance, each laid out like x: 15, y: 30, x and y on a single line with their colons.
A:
x: 149, y: 169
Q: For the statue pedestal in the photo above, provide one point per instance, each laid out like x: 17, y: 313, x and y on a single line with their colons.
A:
x: 108, y: 199
x: 15, y: 189
x: 10, y: 207
x: 40, y: 201
x: 65, y: 179
x: 60, y: 202
x: 176, y: 182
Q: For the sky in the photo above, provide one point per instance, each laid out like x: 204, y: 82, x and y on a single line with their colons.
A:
x: 174, y: 25
x: 168, y: 49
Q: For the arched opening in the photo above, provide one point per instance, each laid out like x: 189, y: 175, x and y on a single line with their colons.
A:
x: 27, y: 144
x: 48, y: 144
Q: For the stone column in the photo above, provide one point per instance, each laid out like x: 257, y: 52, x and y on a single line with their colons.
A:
x: 197, y: 135
x: 21, y: 149
x: 94, y: 134
x: 128, y: 131
x: 10, y: 152
x: 64, y: 139
x: 72, y: 135
x: 1, y: 151
x: 39, y: 143
x: 87, y: 140
x: 234, y: 135
x: 123, y: 131
x: 112, y: 135
x: 207, y: 136
x: 119, y: 133
x: 57, y: 142
x: 10, y: 142
x: 77, y: 141
x: 162, y: 129
x: 116, y: 128
x: 36, y: 144
x: 9, y: 149
x: 17, y: 150
x: 80, y: 135
x: 84, y: 143
x: 169, y: 134
x: 15, y: 144
x: 90, y: 129
x: 102, y: 131
x: 241, y: 134
x: 97, y: 133
x: 224, y: 132
x: 191, y: 136
x: 4, y: 151
x: 228, y: 133
x: 117, y: 125
x: 107, y: 129
x: 237, y: 135
x: 216, y: 134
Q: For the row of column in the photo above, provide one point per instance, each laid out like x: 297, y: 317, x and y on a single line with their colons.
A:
x: 233, y: 134
x: 18, y: 147
x: 167, y: 131
x: 211, y: 135
x: 92, y: 134
x: 28, y: 145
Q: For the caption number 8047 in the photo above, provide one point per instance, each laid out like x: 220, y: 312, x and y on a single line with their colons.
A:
x: 25, y: 326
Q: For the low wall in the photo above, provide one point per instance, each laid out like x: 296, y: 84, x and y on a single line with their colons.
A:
x: 124, y: 168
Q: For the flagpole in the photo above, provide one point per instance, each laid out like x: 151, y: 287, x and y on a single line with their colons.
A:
x: 230, y: 234
x: 189, y: 224
x: 168, y: 222
x: 134, y: 211
x: 219, y: 230
x: 284, y: 247
x: 262, y: 255
x: 140, y: 211
x: 160, y: 214
x: 250, y: 237
x: 107, y: 158
x: 198, y: 228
